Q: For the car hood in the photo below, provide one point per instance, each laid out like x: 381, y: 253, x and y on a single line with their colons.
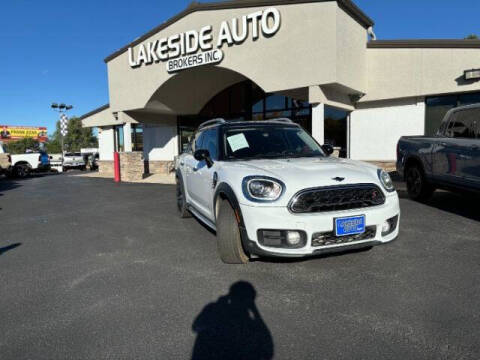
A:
x: 303, y: 173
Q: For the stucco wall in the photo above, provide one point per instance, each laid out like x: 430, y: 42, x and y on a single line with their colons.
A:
x: 398, y: 73
x: 105, y: 143
x: 376, y: 127
x: 351, y: 52
x: 160, y: 140
x: 296, y: 56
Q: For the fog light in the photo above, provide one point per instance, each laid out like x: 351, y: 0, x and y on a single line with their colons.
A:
x: 386, y: 227
x: 293, y: 238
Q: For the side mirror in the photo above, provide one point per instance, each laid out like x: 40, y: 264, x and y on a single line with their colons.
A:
x: 328, y: 149
x: 203, y: 155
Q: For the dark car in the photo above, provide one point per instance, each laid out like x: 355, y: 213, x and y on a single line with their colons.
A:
x: 449, y: 160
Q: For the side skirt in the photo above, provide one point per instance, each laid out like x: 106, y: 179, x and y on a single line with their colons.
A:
x: 202, y: 218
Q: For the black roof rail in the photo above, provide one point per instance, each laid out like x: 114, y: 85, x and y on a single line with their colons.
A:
x: 211, y: 122
x: 286, y: 120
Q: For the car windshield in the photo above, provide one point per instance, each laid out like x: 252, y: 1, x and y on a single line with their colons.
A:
x: 265, y: 142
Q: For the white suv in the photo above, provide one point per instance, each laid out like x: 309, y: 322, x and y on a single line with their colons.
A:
x: 268, y: 189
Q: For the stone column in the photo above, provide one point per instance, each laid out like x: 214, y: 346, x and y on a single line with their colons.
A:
x: 131, y: 166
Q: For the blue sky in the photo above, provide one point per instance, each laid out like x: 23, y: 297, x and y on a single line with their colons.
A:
x: 54, y: 50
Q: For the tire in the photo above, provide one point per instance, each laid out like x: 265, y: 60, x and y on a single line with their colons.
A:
x: 182, y: 207
x: 229, y: 242
x: 21, y: 171
x: 417, y: 186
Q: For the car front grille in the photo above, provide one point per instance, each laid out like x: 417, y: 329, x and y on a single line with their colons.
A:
x: 334, y: 198
x: 329, y: 237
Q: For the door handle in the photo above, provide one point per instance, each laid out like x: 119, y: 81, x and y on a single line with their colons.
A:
x: 443, y: 144
x: 474, y: 147
x: 182, y: 163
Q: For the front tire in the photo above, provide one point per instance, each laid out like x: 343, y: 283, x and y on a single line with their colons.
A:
x: 182, y: 207
x: 229, y: 242
x: 417, y: 186
x: 21, y: 171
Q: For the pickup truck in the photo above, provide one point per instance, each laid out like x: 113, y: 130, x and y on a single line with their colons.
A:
x: 449, y: 160
x: 24, y: 164
x: 73, y: 161
x: 5, y: 161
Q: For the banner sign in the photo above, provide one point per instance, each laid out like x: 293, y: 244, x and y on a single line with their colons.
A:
x: 181, y: 51
x: 13, y: 133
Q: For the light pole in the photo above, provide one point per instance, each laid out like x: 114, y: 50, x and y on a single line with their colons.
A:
x: 62, y: 109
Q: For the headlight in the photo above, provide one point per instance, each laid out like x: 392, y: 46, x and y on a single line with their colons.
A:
x: 261, y: 188
x: 386, y: 180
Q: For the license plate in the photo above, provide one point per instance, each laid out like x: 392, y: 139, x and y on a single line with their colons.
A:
x: 350, y: 225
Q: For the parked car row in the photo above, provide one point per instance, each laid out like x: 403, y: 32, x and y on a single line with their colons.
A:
x: 21, y: 165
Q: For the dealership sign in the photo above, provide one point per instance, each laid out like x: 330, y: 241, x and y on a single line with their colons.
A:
x: 194, y: 48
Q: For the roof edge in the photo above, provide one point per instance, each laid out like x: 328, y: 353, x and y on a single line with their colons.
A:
x: 347, y: 5
x: 93, y: 112
x: 425, y: 44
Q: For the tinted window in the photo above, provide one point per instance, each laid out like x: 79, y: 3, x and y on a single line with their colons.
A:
x: 463, y: 124
x: 210, y: 142
x: 197, y: 142
x: 436, y: 109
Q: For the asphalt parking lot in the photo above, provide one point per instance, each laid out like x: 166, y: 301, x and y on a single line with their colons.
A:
x: 90, y: 269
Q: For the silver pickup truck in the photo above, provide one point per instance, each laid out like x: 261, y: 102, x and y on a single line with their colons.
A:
x: 449, y: 160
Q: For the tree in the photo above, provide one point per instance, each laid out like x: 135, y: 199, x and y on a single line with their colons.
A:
x: 77, y: 137
x: 471, y: 37
x: 22, y: 145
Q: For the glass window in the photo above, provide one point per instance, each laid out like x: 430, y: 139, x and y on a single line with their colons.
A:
x: 118, y: 138
x: 436, y: 109
x: 275, y: 102
x: 263, y: 142
x: 198, y: 142
x: 438, y: 106
x: 137, y: 137
x: 336, y: 127
x: 468, y: 99
x: 210, y: 142
x: 463, y: 124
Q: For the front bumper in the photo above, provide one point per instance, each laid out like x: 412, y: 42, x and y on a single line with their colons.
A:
x: 280, y: 218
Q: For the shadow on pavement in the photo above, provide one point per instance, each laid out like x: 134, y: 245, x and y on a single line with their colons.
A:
x: 462, y: 204
x: 232, y: 328
x: 9, y: 247
x: 7, y: 184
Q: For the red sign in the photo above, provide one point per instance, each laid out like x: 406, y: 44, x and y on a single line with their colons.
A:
x: 13, y: 133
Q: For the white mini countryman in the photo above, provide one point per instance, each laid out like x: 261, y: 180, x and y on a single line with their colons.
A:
x: 268, y: 189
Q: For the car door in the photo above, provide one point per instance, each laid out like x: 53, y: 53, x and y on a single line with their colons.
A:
x: 446, y: 154
x: 463, y: 138
x: 191, y: 171
x: 205, y: 175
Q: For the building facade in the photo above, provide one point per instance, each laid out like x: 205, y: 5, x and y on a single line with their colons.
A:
x: 316, y: 62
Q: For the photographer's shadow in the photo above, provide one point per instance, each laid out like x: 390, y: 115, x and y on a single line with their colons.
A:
x: 232, y: 328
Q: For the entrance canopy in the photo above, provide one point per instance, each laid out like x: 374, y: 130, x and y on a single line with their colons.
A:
x: 279, y: 45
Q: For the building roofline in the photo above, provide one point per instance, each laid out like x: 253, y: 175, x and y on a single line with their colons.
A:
x: 347, y: 5
x: 93, y: 112
x: 425, y: 44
